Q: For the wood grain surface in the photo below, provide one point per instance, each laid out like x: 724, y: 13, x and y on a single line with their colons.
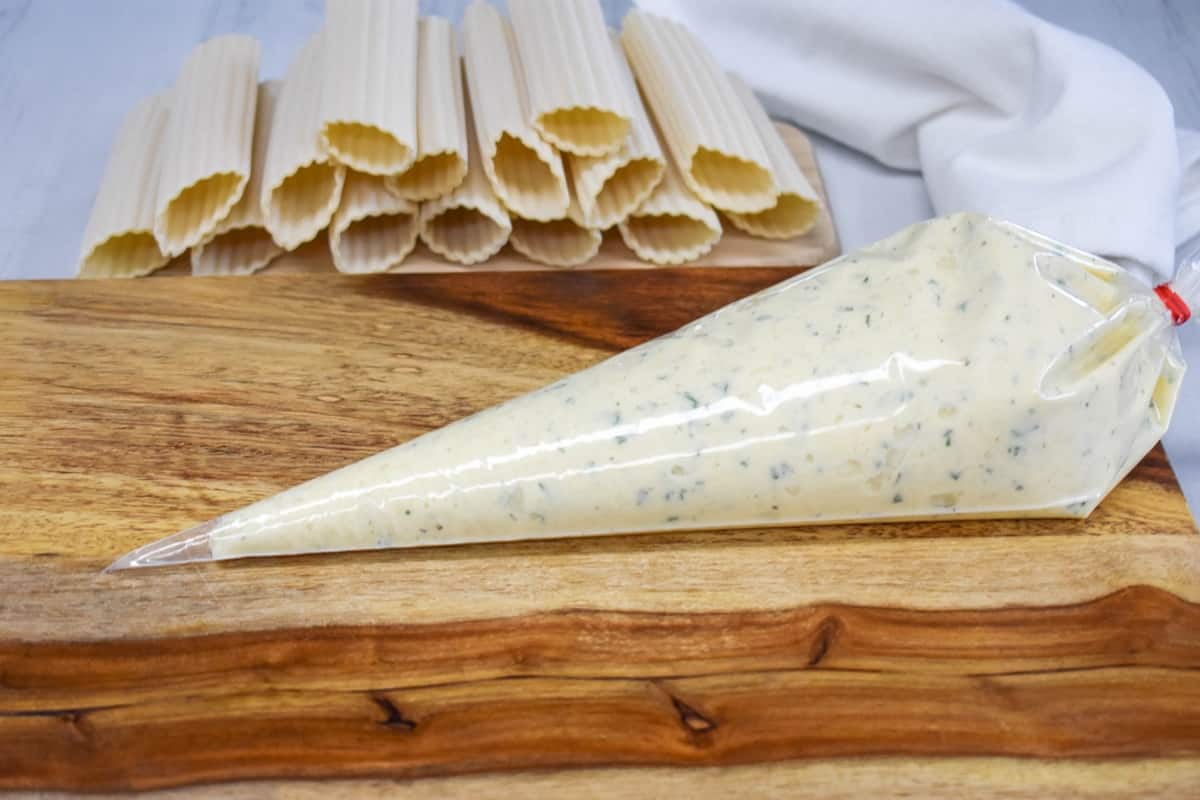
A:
x: 828, y: 779
x: 994, y: 659
x: 736, y: 249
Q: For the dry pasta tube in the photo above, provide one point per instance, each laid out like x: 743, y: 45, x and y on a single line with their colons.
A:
x: 609, y: 188
x: 705, y: 126
x: 119, y: 239
x: 673, y: 226
x: 525, y: 172
x: 566, y: 242
x: 441, y: 162
x: 369, y: 86
x: 576, y: 99
x: 797, y: 207
x: 209, y: 141
x: 469, y: 225
x: 241, y: 244
x: 301, y: 186
x: 373, y: 230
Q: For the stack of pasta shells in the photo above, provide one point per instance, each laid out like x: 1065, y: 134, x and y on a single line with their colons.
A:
x: 546, y: 131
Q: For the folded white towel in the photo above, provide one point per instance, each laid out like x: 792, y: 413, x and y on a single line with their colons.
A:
x: 1187, y: 213
x: 1001, y: 111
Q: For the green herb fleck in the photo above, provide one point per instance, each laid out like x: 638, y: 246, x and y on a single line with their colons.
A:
x: 781, y: 471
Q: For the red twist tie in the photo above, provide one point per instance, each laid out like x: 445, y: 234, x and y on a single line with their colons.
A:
x: 1180, y: 312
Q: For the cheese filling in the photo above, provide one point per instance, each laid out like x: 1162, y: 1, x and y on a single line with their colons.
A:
x: 961, y: 368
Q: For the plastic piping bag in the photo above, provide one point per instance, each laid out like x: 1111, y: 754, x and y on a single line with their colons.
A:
x: 964, y: 367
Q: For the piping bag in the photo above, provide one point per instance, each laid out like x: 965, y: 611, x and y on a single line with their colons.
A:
x: 962, y: 368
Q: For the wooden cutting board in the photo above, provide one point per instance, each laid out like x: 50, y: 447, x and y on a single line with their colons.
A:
x: 990, y: 659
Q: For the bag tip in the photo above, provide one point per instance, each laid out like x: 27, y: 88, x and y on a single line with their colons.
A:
x: 185, y: 547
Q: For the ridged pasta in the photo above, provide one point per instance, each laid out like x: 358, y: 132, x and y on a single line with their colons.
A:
x: 374, y: 229
x: 673, y: 226
x: 469, y: 225
x: 369, y: 88
x: 441, y: 162
x: 609, y: 188
x: 566, y: 242
x: 119, y: 239
x: 301, y: 185
x: 241, y: 244
x: 707, y: 129
x: 209, y: 139
x: 576, y: 99
x: 526, y: 173
x: 797, y: 207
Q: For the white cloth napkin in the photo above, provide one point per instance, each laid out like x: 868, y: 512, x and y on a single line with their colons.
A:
x: 1000, y: 111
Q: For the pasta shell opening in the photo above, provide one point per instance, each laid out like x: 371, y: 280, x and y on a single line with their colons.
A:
x: 525, y: 183
x: 668, y: 238
x: 558, y: 243
x: 202, y: 205
x: 464, y: 235
x: 306, y: 200
x: 791, y: 216
x: 240, y: 251
x: 366, y: 148
x: 432, y: 176
x: 376, y: 243
x: 626, y: 190
x: 128, y: 255
x: 731, y: 183
x: 583, y: 131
